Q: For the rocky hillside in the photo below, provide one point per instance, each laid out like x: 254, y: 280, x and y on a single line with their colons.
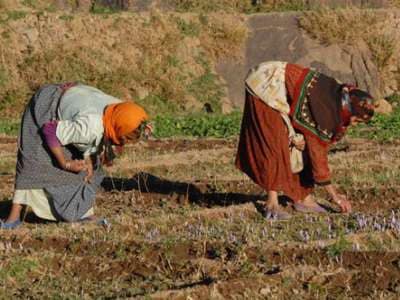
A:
x: 241, y: 6
x: 175, y: 61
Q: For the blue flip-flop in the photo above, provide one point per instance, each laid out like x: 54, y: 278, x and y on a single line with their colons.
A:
x: 11, y: 225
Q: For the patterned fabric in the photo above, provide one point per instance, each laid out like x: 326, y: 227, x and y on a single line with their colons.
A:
x: 316, y: 103
x: 36, y: 168
x: 316, y: 149
x: 71, y: 202
x: 267, y: 82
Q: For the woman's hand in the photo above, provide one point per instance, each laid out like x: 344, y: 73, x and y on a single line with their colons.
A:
x: 75, y: 166
x: 300, y: 144
x: 343, y: 202
x: 89, y: 169
x: 339, y: 199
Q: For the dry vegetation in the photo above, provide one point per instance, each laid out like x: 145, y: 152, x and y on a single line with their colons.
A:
x: 232, y: 6
x: 378, y: 29
x: 189, y: 225
x: 163, y: 60
x: 395, y: 3
x: 243, y: 6
x: 166, y: 60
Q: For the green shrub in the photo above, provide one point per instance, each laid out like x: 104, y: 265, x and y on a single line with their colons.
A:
x: 3, y: 76
x: 103, y: 10
x: 241, y: 6
x: 198, y: 125
x: 188, y: 28
x: 383, y: 128
x: 9, y: 127
x: 207, y: 88
x: 17, y: 269
x: 338, y: 247
x: 14, y: 15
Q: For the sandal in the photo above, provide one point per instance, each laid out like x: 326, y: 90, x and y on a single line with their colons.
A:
x: 11, y: 225
x: 276, y: 215
x: 309, y: 209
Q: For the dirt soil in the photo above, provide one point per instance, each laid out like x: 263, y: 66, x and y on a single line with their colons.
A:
x: 185, y: 224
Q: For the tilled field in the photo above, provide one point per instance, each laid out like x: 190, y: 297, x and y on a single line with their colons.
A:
x: 185, y: 224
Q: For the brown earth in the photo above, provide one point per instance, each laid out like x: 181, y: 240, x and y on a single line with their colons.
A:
x: 184, y: 231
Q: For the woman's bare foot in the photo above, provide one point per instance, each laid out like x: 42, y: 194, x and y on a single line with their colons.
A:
x: 310, y: 201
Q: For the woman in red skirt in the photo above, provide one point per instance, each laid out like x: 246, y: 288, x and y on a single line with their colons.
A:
x: 319, y: 108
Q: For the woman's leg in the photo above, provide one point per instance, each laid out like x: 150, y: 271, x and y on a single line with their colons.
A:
x: 273, y: 210
x: 272, y: 201
x: 15, y: 213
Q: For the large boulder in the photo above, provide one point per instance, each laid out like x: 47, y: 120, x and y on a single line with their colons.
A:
x: 277, y: 36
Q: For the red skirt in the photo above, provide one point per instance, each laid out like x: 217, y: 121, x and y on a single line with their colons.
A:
x: 263, y: 152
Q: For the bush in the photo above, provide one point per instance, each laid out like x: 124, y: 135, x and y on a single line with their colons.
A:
x: 198, y: 125
x: 383, y: 128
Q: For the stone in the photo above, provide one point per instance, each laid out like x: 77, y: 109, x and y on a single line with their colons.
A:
x: 364, y: 70
x: 84, y: 5
x: 226, y: 105
x: 277, y: 36
x: 382, y: 106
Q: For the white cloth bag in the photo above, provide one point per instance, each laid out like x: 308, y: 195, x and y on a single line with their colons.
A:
x: 267, y: 81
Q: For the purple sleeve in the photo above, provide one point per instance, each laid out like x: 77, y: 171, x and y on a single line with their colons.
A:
x: 49, y: 132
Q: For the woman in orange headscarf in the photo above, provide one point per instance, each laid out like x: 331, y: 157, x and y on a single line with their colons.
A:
x: 67, y: 133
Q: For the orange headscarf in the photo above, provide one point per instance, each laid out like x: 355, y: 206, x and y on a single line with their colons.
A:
x: 122, y: 118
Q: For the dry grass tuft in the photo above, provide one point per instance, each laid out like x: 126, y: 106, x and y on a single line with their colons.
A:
x: 223, y: 37
x: 339, y: 26
x: 242, y: 6
x: 395, y: 3
x: 211, y: 5
x: 378, y: 29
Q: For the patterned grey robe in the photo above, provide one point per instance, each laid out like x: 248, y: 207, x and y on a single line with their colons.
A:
x: 37, y: 169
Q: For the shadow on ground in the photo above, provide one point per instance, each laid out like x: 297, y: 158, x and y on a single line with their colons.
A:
x: 201, y: 194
